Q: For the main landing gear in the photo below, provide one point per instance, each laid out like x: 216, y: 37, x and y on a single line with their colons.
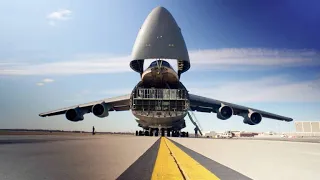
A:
x: 180, y: 134
x: 147, y: 133
x: 162, y: 132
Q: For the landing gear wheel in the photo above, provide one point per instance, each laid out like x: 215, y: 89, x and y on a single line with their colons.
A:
x: 175, y: 134
x: 151, y: 133
x: 156, y: 133
x: 168, y: 133
x: 162, y: 132
x: 137, y: 133
x: 187, y: 134
x: 183, y: 134
x: 146, y: 133
x: 140, y: 133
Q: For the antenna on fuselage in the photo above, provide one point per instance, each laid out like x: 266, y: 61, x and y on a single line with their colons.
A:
x: 159, y: 63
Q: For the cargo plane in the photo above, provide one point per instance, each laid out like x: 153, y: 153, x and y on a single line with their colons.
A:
x: 160, y: 101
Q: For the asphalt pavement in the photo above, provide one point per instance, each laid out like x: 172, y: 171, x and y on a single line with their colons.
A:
x: 130, y: 157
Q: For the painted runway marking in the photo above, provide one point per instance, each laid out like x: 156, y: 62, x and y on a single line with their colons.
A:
x: 165, y: 167
x: 173, y: 163
x: 143, y: 167
x: 167, y: 159
x: 221, y: 171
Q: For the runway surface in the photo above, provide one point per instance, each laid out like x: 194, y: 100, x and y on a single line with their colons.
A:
x: 130, y: 157
x: 305, y: 139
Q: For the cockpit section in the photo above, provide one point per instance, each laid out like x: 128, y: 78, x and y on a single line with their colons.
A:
x: 156, y: 40
x: 160, y: 63
x: 160, y: 74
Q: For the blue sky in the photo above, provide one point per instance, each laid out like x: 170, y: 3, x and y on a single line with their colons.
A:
x: 55, y: 54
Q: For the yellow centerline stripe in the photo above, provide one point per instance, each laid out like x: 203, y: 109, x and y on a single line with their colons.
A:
x: 189, y: 166
x: 165, y: 166
x: 173, y: 163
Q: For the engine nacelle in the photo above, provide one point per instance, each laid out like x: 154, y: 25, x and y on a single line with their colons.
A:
x: 100, y: 110
x: 225, y: 112
x: 252, y: 118
x: 74, y: 115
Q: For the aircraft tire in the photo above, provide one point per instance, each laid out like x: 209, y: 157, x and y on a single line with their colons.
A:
x: 162, y: 132
x: 146, y: 133
x: 183, y: 134
x: 175, y: 134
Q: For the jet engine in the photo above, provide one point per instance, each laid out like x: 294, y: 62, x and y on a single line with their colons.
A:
x: 252, y: 118
x: 224, y: 112
x: 100, y: 110
x: 74, y: 115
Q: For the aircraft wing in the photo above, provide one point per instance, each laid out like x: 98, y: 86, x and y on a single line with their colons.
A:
x: 120, y: 103
x: 203, y: 104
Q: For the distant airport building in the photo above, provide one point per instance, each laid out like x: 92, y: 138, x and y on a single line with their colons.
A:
x: 302, y: 129
x: 307, y: 126
x: 234, y: 133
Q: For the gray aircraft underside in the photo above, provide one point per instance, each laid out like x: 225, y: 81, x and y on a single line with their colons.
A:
x: 160, y: 99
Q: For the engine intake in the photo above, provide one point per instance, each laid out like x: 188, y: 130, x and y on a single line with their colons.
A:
x: 100, y: 110
x: 225, y: 112
x: 252, y: 118
x: 74, y: 115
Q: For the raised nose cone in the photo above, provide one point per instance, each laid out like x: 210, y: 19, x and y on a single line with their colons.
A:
x: 160, y: 38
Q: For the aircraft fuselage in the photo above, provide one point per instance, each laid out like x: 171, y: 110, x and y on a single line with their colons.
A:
x: 160, y: 100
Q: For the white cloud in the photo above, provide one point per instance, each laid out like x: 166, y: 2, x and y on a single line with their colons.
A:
x: 273, y: 89
x: 44, y: 81
x: 268, y: 89
x: 224, y: 59
x: 88, y: 66
x: 249, y: 57
x: 60, y: 15
x: 47, y: 80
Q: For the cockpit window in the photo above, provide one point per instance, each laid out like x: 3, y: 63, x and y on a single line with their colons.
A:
x: 164, y: 63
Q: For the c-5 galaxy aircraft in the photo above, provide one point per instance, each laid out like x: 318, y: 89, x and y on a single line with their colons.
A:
x: 160, y: 101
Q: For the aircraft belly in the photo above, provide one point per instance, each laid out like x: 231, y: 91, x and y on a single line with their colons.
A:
x: 154, y: 120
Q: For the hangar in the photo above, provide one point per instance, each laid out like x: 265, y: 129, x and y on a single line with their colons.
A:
x: 307, y: 128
